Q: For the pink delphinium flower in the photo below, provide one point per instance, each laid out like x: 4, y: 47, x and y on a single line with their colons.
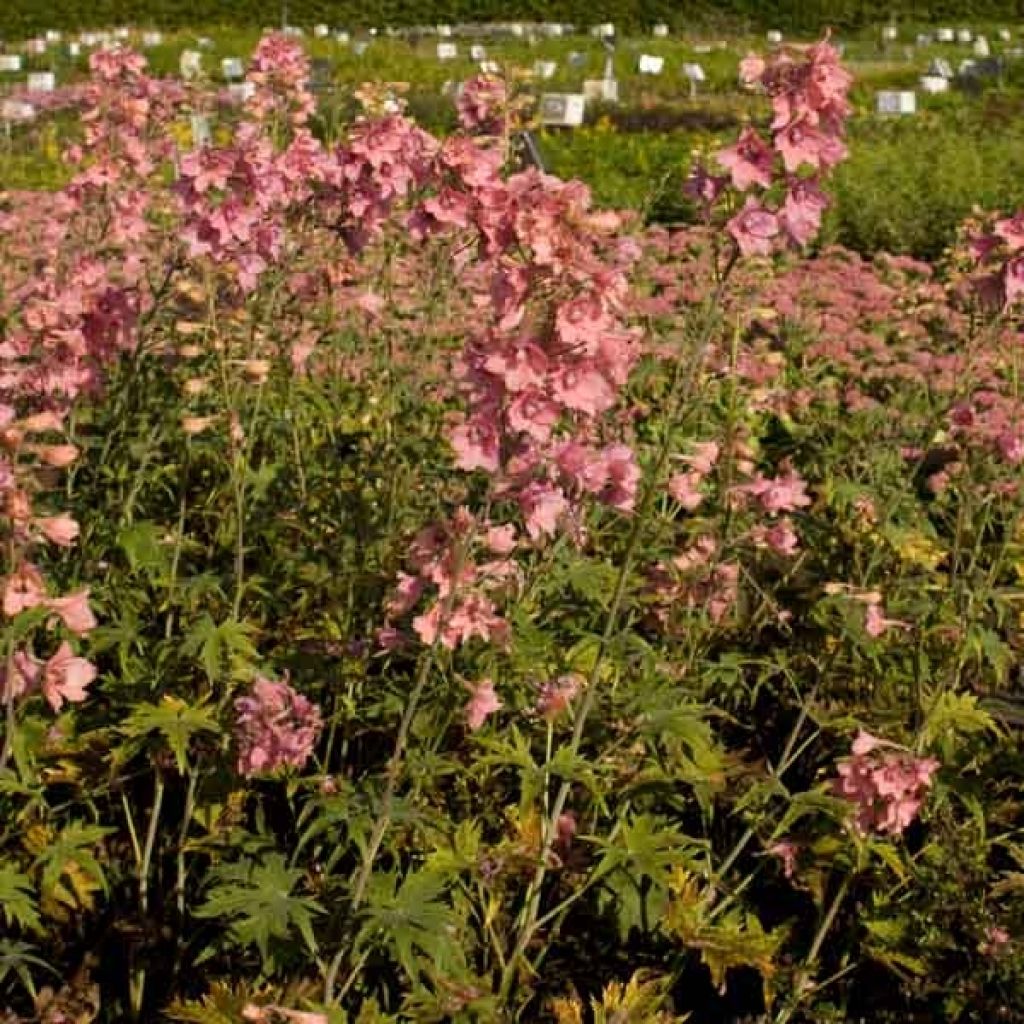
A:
x: 61, y: 530
x: 23, y: 678
x: 23, y: 589
x: 482, y: 105
x: 886, y: 785
x: 749, y: 161
x: 74, y: 611
x: 779, y: 537
x: 685, y: 488
x: 875, y: 622
x: 483, y: 702
x: 275, y: 728
x: 65, y: 677
x: 997, y: 940
x: 786, y: 851
x: 784, y: 493
x: 555, y: 696
x: 754, y: 229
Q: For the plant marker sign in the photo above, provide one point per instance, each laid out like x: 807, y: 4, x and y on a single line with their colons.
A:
x: 42, y: 81
x: 601, y: 90
x: 896, y: 103
x: 562, y: 109
x: 232, y: 68
x: 16, y: 111
x: 934, y: 84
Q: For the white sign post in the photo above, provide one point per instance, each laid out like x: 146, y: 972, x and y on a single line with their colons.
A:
x: 190, y: 65
x: 695, y: 76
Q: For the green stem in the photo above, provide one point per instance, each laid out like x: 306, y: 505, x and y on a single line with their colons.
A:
x: 384, y: 817
x: 186, y: 821
x: 812, y: 956
x: 147, y: 855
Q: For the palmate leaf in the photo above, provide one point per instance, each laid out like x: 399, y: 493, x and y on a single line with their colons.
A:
x: 257, y: 902
x: 218, y: 645
x: 175, y: 721
x: 70, y: 871
x: 17, y: 899
x: 17, y: 958
x: 412, y: 920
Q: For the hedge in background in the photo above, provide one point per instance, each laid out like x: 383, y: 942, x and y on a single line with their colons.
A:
x: 20, y: 18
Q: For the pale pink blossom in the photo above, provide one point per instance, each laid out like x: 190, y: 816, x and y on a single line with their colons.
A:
x: 65, y: 677
x: 483, y: 702
x: 61, y: 530
x: 74, y: 611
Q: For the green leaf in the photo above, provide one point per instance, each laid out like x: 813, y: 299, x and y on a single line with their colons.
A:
x: 143, y: 545
x: 17, y: 899
x: 412, y: 920
x: 257, y: 901
x: 221, y: 646
x: 175, y: 721
x: 16, y: 958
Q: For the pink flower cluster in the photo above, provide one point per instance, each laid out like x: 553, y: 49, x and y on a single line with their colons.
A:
x: 482, y: 104
x: 685, y: 486
x: 230, y: 201
x: 279, y: 71
x: 697, y: 579
x: 275, y: 728
x: 554, y: 357
x: 808, y: 93
x: 885, y: 784
x: 63, y: 676
x: 772, y: 496
x: 382, y: 164
x: 1000, y: 251
x: 460, y: 566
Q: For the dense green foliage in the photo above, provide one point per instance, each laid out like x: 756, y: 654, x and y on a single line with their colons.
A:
x: 22, y: 17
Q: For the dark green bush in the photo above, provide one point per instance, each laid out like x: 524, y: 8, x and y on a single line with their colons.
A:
x: 23, y: 17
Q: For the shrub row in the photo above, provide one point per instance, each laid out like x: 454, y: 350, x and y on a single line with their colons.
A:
x: 24, y: 17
